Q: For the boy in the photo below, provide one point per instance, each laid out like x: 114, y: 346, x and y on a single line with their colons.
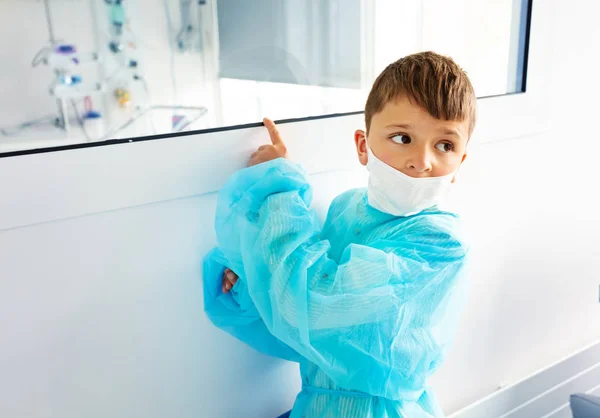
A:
x: 368, y: 304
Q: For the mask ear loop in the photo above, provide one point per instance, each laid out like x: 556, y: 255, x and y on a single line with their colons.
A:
x: 369, y: 150
x: 455, y: 178
x: 461, y: 164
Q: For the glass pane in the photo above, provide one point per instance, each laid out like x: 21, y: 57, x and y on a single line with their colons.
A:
x: 101, y: 70
x: 486, y: 38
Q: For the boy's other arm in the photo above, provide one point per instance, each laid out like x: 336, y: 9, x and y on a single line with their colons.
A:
x: 234, y: 312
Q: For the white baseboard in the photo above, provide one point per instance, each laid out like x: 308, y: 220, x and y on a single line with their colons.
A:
x: 544, y: 394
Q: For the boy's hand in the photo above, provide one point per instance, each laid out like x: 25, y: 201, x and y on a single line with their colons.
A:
x: 276, y: 149
x: 229, y: 280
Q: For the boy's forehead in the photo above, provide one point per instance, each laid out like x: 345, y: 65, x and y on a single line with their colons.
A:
x: 402, y: 112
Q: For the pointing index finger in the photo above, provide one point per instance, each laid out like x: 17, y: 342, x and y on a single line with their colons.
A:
x: 273, y: 131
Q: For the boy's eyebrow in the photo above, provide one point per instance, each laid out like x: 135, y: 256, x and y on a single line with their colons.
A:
x: 448, y: 131
x: 399, y: 125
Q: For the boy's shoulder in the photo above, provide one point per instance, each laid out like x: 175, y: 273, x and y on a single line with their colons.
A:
x: 346, y: 205
x: 435, y: 227
x: 343, y: 201
x: 349, y: 195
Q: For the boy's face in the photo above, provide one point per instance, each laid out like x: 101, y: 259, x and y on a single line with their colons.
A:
x: 408, y: 138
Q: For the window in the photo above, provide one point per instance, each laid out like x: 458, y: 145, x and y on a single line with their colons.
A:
x: 119, y: 69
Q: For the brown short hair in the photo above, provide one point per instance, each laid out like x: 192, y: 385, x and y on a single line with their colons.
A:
x: 432, y: 81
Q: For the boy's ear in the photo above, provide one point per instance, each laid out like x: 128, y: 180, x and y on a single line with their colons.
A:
x: 361, y: 146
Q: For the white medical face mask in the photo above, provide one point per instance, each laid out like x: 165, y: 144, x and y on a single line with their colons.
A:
x: 391, y: 191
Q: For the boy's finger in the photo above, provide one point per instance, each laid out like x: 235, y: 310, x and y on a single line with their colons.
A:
x: 273, y: 132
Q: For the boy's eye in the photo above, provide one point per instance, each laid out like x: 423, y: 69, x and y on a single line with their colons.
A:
x: 401, y: 139
x: 445, y: 146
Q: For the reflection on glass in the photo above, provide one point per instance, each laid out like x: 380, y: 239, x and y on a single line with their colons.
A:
x: 96, y: 70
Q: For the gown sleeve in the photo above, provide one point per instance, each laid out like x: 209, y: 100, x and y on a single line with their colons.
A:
x: 235, y: 313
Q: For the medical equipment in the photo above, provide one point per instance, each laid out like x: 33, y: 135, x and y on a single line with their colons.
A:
x: 117, y: 16
x: 189, y: 38
x: 187, y: 115
x: 119, y: 79
x: 68, y: 84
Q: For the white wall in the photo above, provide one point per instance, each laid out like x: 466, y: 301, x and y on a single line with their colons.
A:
x: 100, y: 302
x: 101, y: 295
x: 102, y: 317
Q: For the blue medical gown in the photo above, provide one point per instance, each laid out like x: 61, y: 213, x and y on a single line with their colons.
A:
x: 367, y: 304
